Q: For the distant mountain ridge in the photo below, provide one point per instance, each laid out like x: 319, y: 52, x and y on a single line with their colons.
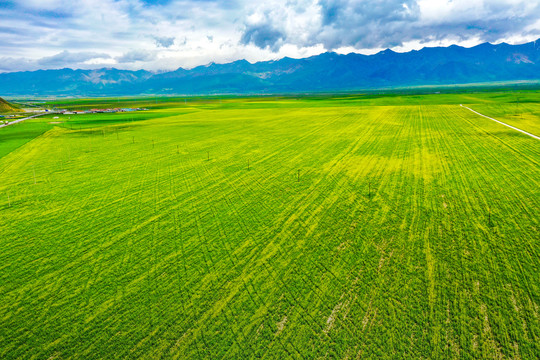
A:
x: 325, y: 72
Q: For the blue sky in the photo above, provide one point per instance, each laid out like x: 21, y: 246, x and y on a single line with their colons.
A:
x: 167, y: 34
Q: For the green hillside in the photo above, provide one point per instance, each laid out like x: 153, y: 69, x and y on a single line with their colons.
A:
x: 6, y: 107
x: 274, y: 228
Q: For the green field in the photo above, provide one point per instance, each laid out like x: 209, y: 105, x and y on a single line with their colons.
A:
x: 365, y: 226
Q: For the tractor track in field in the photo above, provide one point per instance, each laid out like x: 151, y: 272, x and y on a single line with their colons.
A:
x: 500, y: 122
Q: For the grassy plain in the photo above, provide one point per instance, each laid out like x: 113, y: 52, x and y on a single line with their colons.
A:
x: 341, y: 227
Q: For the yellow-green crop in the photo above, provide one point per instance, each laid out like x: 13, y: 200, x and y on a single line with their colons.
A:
x: 363, y: 227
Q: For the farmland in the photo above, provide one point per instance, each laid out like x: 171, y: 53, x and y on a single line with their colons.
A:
x: 366, y: 226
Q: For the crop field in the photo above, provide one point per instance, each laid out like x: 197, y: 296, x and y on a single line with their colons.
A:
x: 522, y: 112
x: 365, y: 226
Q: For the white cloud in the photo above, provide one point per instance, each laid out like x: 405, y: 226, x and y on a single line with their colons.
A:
x: 134, y: 34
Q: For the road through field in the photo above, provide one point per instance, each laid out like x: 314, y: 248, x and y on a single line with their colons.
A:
x: 26, y: 118
x: 500, y: 122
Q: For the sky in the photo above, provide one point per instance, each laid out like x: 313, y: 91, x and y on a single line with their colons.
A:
x: 167, y: 34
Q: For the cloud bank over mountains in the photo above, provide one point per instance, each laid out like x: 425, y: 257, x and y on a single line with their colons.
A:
x: 167, y: 34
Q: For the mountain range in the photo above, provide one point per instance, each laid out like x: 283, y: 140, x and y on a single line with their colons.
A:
x: 321, y: 73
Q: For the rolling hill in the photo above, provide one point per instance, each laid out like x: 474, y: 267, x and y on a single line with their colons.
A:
x: 324, y: 72
x: 6, y: 107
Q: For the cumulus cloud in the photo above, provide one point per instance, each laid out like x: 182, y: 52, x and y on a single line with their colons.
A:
x: 89, y: 60
x: 136, y: 55
x: 166, y: 34
x: 164, y: 41
x: 366, y: 24
x: 66, y: 57
x: 362, y: 24
x: 263, y: 36
x: 274, y: 25
x: 8, y: 64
